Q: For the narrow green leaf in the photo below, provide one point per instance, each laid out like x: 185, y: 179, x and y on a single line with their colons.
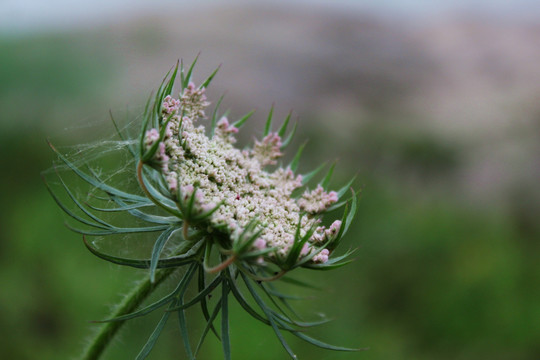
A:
x: 238, y: 124
x: 326, y: 266
x: 214, y: 116
x: 344, y: 189
x: 329, y: 244
x: 184, y: 329
x: 332, y: 263
x: 337, y: 206
x: 154, y: 306
x: 187, y: 77
x: 249, y: 309
x: 182, y: 76
x: 97, y: 184
x: 80, y: 206
x: 173, y: 262
x: 242, y: 300
x: 352, y: 213
x: 115, y: 195
x: 287, y: 141
x: 299, y: 283
x: 326, y: 180
x: 298, y: 244
x: 263, y: 286
x: 202, y: 294
x: 144, y: 127
x: 283, y: 320
x: 206, y: 215
x: 227, y: 113
x: 281, y: 295
x: 163, y: 85
x: 209, y: 79
x: 225, y: 337
x: 146, y: 310
x: 157, y: 249
x: 269, y: 316
x: 117, y: 230
x: 158, y: 101
x: 284, y: 299
x: 268, y: 126
x: 120, y: 135
x: 139, y: 264
x: 155, y: 115
x: 167, y: 204
x: 149, y: 154
x: 132, y: 210
x: 241, y: 244
x: 160, y: 200
x: 121, y: 208
x: 204, y: 306
x: 283, y: 129
x: 257, y: 253
x: 306, y: 178
x: 153, y: 337
x: 70, y: 213
x: 189, y: 214
x: 207, y: 255
x: 170, y: 83
x: 194, y: 249
x: 209, y: 325
x: 151, y: 218
x: 321, y: 344
x: 344, y: 218
x: 296, y: 159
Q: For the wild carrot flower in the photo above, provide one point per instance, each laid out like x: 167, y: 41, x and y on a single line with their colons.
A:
x: 240, y: 220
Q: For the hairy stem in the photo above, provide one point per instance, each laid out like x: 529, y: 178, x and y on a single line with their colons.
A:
x: 130, y: 302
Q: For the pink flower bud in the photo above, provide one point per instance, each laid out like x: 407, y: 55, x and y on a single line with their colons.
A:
x: 305, y: 249
x: 151, y: 137
x: 321, y: 257
x: 173, y: 183
x: 259, y: 244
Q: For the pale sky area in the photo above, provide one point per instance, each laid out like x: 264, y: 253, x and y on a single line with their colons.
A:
x: 36, y: 15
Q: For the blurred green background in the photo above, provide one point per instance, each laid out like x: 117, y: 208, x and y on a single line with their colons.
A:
x: 437, y: 114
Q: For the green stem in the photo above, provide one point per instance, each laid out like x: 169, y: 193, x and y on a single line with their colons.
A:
x: 129, y: 304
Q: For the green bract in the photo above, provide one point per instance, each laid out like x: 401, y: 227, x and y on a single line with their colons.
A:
x: 241, y: 217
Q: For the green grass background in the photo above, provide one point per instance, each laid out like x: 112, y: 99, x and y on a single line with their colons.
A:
x: 435, y: 276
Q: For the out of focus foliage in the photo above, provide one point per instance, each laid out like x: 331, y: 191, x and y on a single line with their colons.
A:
x: 438, y: 274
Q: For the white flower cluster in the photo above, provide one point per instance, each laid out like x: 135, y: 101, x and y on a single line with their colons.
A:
x: 221, y: 173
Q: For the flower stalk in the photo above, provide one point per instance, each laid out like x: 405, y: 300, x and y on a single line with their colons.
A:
x: 130, y: 303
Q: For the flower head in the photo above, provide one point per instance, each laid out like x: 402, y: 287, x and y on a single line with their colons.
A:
x: 240, y: 182
x: 239, y: 220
